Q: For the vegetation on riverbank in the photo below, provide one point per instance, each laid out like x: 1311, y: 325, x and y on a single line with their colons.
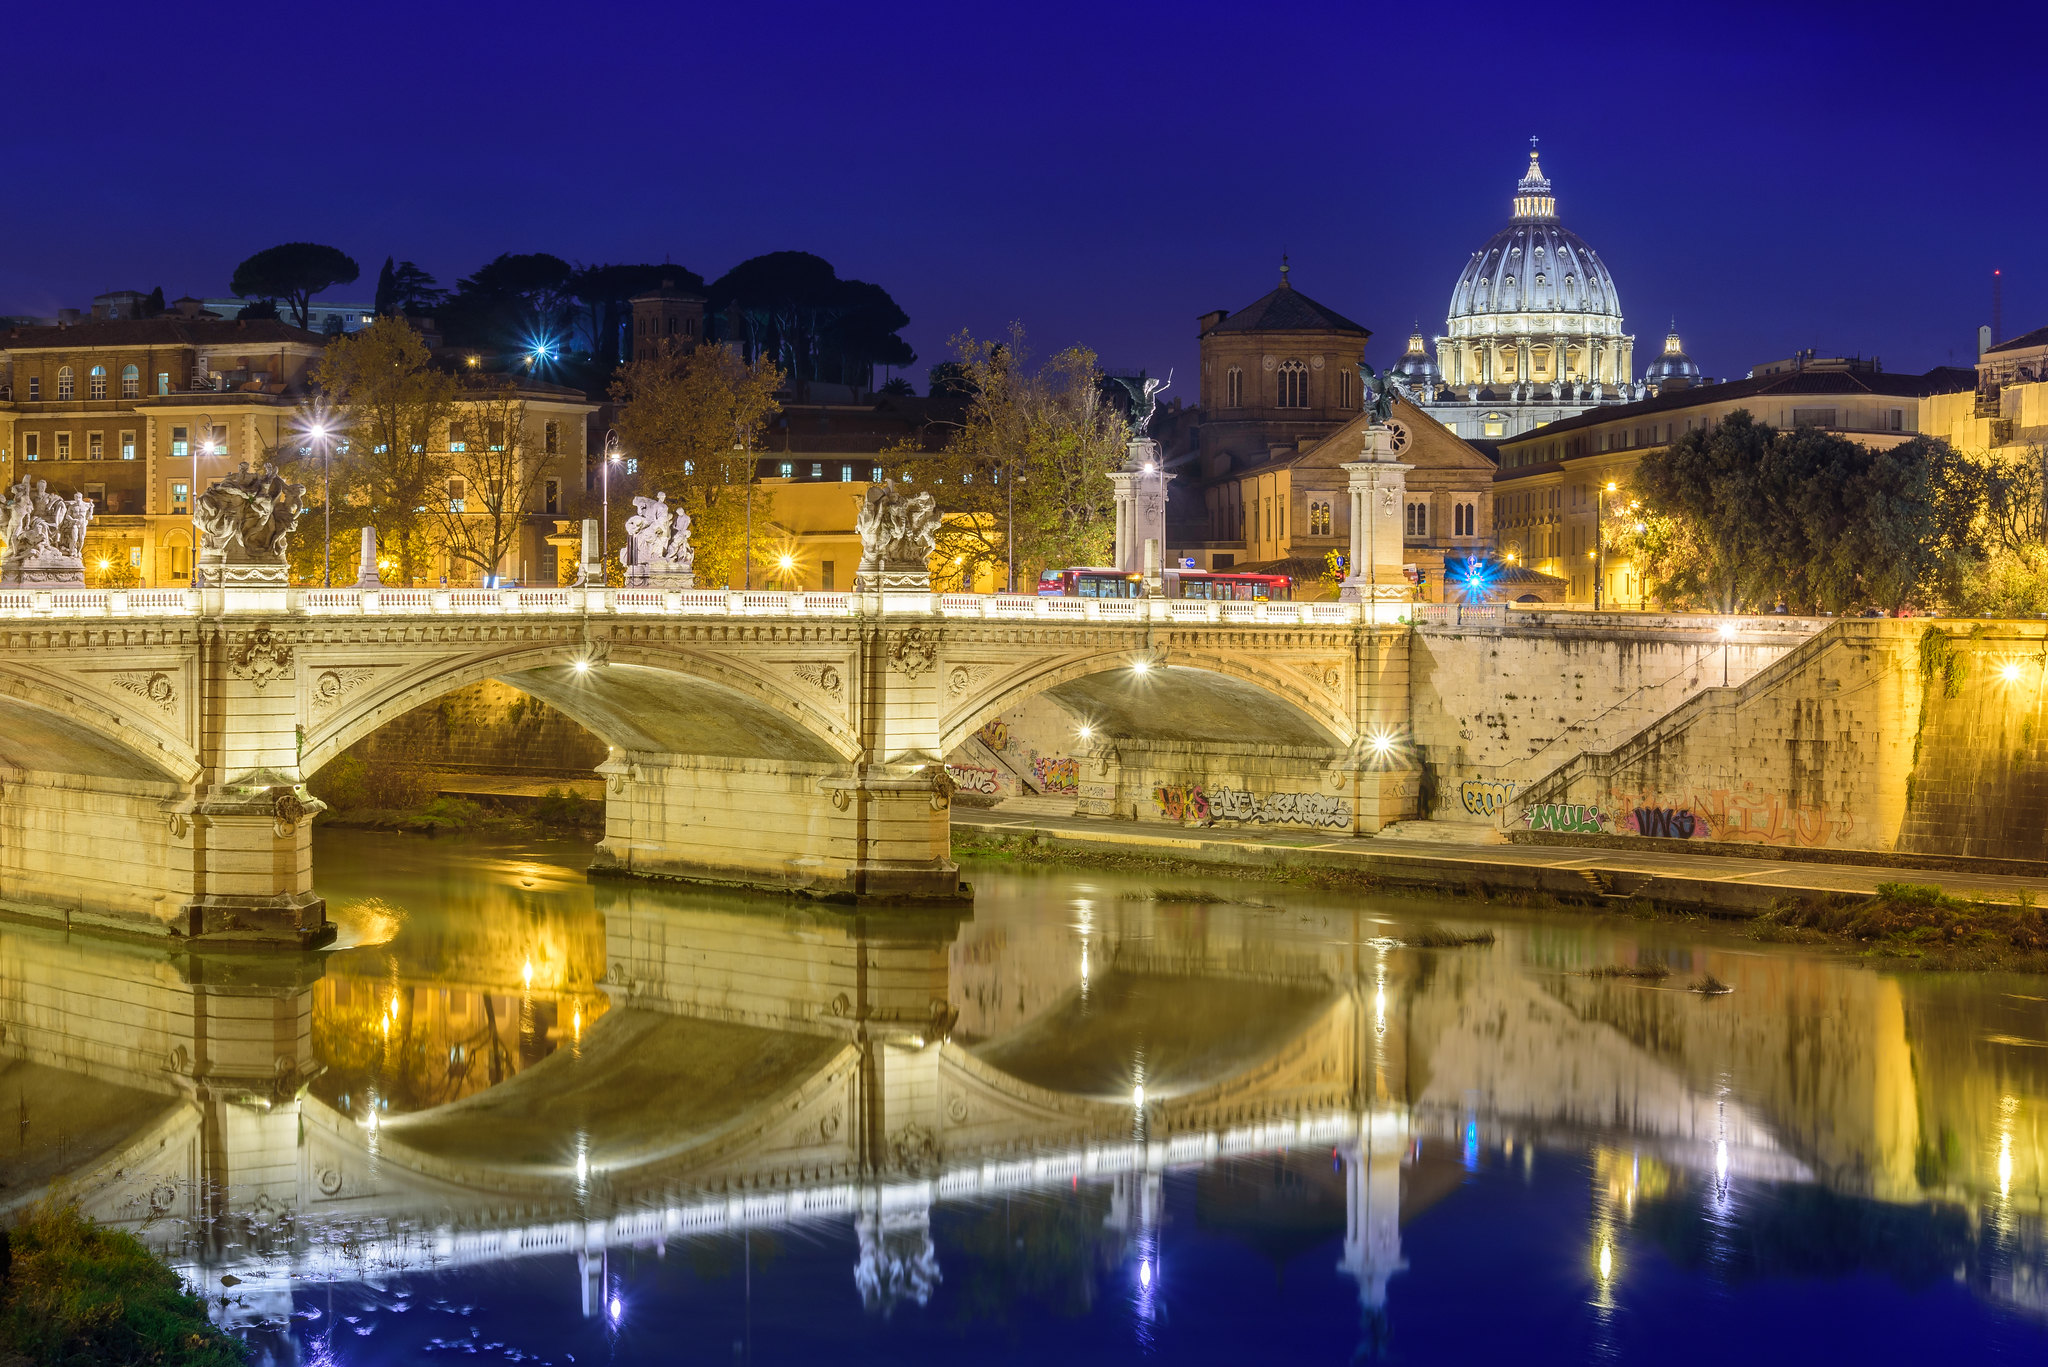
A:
x: 393, y: 797
x: 77, y: 1293
x: 1918, y: 924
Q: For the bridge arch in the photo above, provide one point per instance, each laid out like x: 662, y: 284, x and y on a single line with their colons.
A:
x: 631, y: 696
x: 1190, y: 695
x: 50, y: 727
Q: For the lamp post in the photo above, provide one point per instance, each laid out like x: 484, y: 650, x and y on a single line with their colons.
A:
x: 604, y: 547
x: 1600, y: 541
x: 205, y: 443
x: 319, y: 434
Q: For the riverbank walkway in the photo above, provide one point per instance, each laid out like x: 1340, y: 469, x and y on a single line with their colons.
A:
x: 1722, y: 884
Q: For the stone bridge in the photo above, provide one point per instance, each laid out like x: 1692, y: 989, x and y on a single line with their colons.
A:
x: 154, y: 745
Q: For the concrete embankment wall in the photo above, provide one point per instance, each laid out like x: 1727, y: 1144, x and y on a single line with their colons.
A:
x: 489, y: 728
x: 1499, y: 704
x: 1818, y: 751
x: 89, y: 851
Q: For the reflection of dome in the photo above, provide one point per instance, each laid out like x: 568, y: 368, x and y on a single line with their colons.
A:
x: 1535, y: 264
x: 1673, y: 369
x: 1416, y: 368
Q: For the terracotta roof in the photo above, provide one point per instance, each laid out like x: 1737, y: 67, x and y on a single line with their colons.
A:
x: 1790, y: 384
x: 164, y: 330
x: 1287, y: 309
x: 2026, y: 341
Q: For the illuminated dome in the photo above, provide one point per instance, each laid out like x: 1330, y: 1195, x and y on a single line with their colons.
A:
x: 1534, y: 265
x: 1417, y: 368
x: 1673, y: 369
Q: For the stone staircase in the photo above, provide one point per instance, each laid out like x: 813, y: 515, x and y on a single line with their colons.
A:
x: 1035, y: 806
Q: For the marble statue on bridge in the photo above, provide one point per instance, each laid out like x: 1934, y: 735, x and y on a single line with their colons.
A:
x: 45, y: 537
x: 247, y: 518
x: 657, y: 552
x: 897, y: 534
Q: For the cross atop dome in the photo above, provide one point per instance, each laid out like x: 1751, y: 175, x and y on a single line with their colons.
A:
x: 1532, y: 193
x: 1283, y: 272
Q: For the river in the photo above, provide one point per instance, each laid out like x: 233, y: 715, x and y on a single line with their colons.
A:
x: 517, y: 1114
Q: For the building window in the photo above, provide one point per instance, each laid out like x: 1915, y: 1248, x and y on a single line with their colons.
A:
x: 30, y: 442
x: 551, y: 496
x: 131, y: 382
x: 846, y: 474
x: 65, y: 383
x: 1494, y: 424
x: 1319, y: 519
x: 827, y: 573
x: 551, y: 564
x: 63, y: 446
x: 127, y: 446
x: 788, y: 469
x: 817, y: 471
x: 551, y: 439
x: 35, y: 387
x: 875, y: 475
x: 458, y: 437
x: 178, y: 496
x: 1417, y: 523
x: 1465, y: 519
x: 98, y: 494
x: 458, y: 494
x: 1343, y: 388
x: 96, y: 382
x: 1233, y: 388
x: 95, y: 446
x: 1293, y: 380
x: 163, y: 382
x: 181, y: 442
x: 1801, y: 417
x: 1895, y: 421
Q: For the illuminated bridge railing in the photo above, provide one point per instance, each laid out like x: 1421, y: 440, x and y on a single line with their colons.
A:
x: 466, y: 602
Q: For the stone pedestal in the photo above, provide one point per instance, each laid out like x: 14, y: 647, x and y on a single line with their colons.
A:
x: 1140, y: 509
x: 366, y: 567
x: 42, y: 570
x: 1378, y: 555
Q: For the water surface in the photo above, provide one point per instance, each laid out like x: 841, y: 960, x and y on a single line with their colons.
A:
x: 519, y: 1115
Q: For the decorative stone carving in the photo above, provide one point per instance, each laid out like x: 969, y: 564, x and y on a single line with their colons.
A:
x: 914, y: 652
x: 1144, y: 393
x: 247, y: 518
x: 154, y: 685
x: 897, y: 534
x: 960, y: 678
x: 260, y: 657
x: 45, y: 537
x: 657, y: 552
x: 897, y: 1261
x: 824, y: 678
x: 942, y: 788
x: 913, y: 1150
x: 333, y: 684
x: 287, y: 811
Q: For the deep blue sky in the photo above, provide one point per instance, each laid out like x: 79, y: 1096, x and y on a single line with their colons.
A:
x: 1829, y: 175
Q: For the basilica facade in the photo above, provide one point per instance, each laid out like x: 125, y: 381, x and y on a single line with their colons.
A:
x: 1534, y: 333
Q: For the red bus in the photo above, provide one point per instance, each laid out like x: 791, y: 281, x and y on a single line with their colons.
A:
x: 1095, y: 581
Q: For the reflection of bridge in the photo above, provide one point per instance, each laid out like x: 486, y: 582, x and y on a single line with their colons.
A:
x: 160, y: 743
x: 755, y: 1071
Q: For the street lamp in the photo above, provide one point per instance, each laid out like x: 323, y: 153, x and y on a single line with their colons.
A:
x: 1600, y: 540
x: 205, y: 444
x: 319, y: 433
x: 604, y: 550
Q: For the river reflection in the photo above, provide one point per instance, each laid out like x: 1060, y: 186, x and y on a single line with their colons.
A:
x: 520, y: 1114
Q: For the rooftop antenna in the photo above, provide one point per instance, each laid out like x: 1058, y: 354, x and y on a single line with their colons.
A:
x: 1997, y: 307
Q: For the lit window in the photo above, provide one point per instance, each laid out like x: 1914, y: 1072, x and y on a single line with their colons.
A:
x: 65, y: 383
x: 817, y: 471
x: 633, y: 465
x: 178, y: 495
x: 127, y: 446
x: 95, y: 446
x: 875, y: 475
x: 846, y: 474
x: 30, y: 442
x: 458, y: 495
x: 181, y: 442
x: 788, y: 469
x: 63, y: 446
x: 96, y: 382
x: 163, y: 382
x: 35, y: 387
x: 131, y: 382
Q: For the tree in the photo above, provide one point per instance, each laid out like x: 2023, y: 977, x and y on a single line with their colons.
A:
x: 693, y: 423
x: 389, y: 409
x: 154, y: 305
x: 413, y: 291
x: 519, y: 300
x: 293, y: 272
x: 793, y: 307
x: 606, y: 292
x: 386, y: 300
x: 1704, y: 537
x: 491, y: 475
x: 1034, y: 446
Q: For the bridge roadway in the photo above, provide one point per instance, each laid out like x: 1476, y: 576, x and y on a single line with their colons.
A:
x: 154, y: 744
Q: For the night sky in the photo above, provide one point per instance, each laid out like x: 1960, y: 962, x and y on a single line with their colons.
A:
x: 1843, y: 177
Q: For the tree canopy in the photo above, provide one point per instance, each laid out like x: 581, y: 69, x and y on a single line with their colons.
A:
x: 605, y: 294
x: 794, y: 308
x: 512, y: 300
x: 405, y: 288
x: 293, y: 272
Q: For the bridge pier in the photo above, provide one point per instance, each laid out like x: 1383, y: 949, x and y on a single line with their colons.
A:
x: 836, y: 831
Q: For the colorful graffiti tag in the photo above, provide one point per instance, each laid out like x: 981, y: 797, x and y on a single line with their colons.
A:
x: 1056, y: 773
x: 1485, y: 797
x: 1190, y: 802
x: 1743, y: 817
x: 1665, y: 823
x: 1558, y: 816
x: 970, y: 778
x: 995, y: 735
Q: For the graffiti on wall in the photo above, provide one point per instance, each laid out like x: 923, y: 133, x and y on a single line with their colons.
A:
x: 1485, y: 797
x: 969, y: 778
x: 1743, y: 817
x: 1558, y: 816
x: 995, y: 735
x: 1056, y: 773
x: 1191, y: 802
